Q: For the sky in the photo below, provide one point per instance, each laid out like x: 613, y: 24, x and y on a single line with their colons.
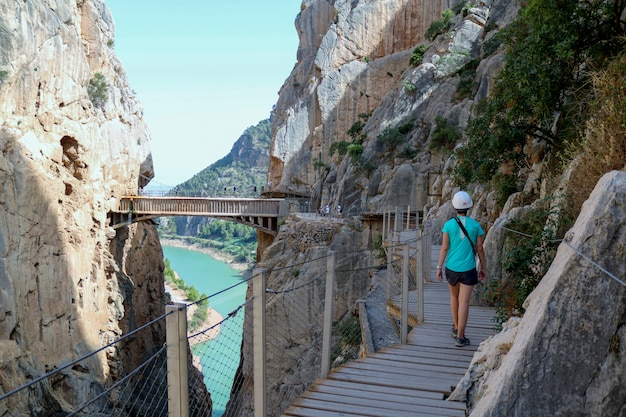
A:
x: 204, y: 71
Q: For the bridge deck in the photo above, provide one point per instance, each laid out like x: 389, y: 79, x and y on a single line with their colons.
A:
x: 261, y: 213
x: 403, y: 380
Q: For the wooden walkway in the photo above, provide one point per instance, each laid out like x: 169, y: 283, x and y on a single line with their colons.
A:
x: 403, y: 380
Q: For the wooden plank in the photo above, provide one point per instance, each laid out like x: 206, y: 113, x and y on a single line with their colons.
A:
x: 407, y: 396
x: 298, y: 411
x: 426, y: 350
x: 385, y: 403
x: 392, y: 381
x: 362, y: 410
x: 366, y: 387
x: 453, y: 362
x: 403, y: 380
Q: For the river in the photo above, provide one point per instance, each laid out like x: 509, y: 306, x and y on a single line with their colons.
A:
x: 210, y: 276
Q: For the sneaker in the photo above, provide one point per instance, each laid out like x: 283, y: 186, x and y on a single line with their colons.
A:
x: 455, y: 333
x: 461, y: 341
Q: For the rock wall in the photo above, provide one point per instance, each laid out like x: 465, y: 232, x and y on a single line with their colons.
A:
x: 351, y: 54
x: 296, y: 266
x: 68, y: 283
x: 354, y: 61
x: 565, y: 356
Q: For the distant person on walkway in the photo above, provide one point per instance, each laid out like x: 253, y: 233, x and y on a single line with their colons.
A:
x: 462, y: 240
x: 327, y: 212
x: 339, y: 212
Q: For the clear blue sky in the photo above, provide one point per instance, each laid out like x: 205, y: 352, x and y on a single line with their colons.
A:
x: 204, y: 71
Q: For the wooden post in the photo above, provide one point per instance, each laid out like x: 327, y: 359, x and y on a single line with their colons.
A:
x: 427, y: 248
x: 389, y: 256
x: 404, y: 315
x: 258, y: 321
x: 408, y: 217
x: 176, y: 342
x: 383, y: 229
x: 328, y: 313
x: 419, y: 276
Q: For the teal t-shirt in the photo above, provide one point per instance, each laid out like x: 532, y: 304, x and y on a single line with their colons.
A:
x: 460, y: 256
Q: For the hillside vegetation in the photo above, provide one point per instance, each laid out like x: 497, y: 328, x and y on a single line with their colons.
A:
x: 562, y: 86
x: 242, y: 173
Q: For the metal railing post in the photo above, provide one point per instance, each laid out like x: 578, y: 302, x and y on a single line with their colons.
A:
x: 404, y: 314
x: 258, y: 324
x: 177, y: 380
x: 328, y: 313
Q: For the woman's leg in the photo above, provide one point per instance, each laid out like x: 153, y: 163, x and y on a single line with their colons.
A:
x: 454, y: 304
x: 464, y: 295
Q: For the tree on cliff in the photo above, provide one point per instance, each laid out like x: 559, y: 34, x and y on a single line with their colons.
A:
x: 551, y: 49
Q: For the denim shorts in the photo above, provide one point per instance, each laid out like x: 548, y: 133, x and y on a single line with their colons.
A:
x: 468, y: 277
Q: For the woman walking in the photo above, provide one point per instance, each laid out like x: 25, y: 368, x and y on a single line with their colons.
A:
x: 462, y: 240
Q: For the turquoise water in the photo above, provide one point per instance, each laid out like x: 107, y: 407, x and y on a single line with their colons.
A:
x: 220, y: 356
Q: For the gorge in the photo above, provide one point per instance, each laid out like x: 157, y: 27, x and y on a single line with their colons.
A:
x: 405, y: 108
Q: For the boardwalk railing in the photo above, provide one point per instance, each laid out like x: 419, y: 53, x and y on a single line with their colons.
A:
x: 261, y: 213
x: 137, y: 393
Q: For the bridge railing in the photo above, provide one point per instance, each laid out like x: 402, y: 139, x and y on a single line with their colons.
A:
x: 269, y: 207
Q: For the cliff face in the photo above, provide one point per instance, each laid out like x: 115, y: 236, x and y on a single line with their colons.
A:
x: 72, y: 140
x: 351, y: 54
x: 355, y: 83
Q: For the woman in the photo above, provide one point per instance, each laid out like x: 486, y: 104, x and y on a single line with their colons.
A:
x: 462, y: 240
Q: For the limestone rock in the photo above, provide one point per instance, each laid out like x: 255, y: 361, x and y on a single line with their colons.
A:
x: 574, y: 322
x: 296, y: 275
x: 350, y: 56
x: 68, y: 284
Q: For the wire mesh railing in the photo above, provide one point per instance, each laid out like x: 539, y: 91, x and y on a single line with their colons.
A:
x: 214, y: 370
x: 97, y: 383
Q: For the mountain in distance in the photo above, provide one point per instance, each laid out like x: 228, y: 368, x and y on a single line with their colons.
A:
x: 241, y: 173
x: 238, y: 173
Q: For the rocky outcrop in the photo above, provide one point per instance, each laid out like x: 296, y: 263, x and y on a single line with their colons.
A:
x: 351, y: 54
x: 72, y: 140
x: 565, y: 356
x: 356, y: 69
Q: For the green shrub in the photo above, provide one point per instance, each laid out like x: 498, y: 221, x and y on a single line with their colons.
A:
x: 3, y: 75
x: 408, y: 85
x: 347, y: 344
x: 355, y: 150
x: 98, y: 90
x: 408, y: 152
x: 490, y: 46
x: 390, y: 137
x: 418, y: 55
x: 467, y: 74
x: 444, y: 136
x: 340, y: 147
x: 551, y: 48
x: 440, y: 26
x: 525, y: 260
x: 356, y: 129
x: 318, y: 163
x: 407, y: 127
